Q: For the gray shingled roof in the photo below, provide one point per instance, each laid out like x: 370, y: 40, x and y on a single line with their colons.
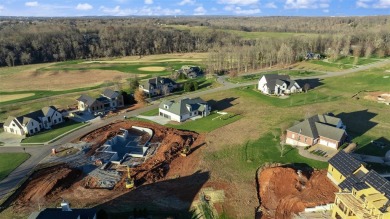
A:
x: 110, y: 93
x: 317, y: 125
x: 344, y: 163
x: 24, y: 119
x: 46, y: 109
x: 180, y: 107
x: 273, y: 79
x: 58, y: 213
x: 86, y: 99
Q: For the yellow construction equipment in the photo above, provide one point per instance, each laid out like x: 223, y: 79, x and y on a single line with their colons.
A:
x: 129, y: 180
x: 186, y: 150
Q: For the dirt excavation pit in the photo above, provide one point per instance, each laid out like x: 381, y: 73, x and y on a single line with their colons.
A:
x: 284, y: 192
x: 48, y: 186
x: 380, y: 97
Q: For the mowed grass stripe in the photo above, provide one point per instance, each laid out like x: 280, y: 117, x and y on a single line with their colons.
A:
x: 10, y: 161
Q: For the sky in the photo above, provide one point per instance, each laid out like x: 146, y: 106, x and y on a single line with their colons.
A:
x: 71, y: 8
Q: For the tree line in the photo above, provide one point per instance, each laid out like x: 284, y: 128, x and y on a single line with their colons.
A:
x: 47, y: 40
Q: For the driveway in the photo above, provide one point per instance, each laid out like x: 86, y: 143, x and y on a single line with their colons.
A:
x: 9, y: 139
x: 158, y: 119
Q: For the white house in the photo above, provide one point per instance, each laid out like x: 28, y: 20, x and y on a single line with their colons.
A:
x: 184, y: 109
x: 33, y: 122
x: 278, y: 84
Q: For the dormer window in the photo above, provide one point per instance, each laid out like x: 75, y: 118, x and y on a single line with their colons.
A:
x: 166, y: 106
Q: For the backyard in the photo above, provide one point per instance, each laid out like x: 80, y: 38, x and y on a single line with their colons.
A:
x: 10, y: 161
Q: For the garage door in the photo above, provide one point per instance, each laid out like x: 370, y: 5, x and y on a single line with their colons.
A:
x: 327, y: 143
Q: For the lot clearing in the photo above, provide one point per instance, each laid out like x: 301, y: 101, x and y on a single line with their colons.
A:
x: 162, y: 172
x: 284, y: 192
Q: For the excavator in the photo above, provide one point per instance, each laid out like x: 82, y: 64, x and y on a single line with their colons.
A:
x: 129, y: 180
x: 185, y: 151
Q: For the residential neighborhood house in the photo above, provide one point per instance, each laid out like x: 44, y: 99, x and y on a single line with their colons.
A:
x: 64, y: 212
x: 322, y: 129
x: 190, y: 71
x: 184, y: 109
x: 33, y: 122
x: 275, y: 84
x: 362, y: 194
x: 108, y: 100
x: 157, y: 86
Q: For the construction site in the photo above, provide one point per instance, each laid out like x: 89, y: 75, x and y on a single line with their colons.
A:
x: 288, y: 192
x: 111, y: 163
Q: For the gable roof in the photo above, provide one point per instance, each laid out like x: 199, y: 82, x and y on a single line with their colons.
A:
x: 110, y: 93
x: 353, y: 182
x: 25, y: 119
x: 58, y: 213
x: 86, y: 99
x: 319, y: 125
x: 378, y: 182
x: 180, y: 107
x: 46, y: 109
x: 156, y: 81
x: 344, y: 163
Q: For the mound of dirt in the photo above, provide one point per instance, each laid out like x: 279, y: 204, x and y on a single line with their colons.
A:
x: 46, y: 183
x: 283, y: 192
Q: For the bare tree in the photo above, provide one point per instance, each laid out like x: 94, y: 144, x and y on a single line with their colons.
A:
x: 275, y: 133
x: 140, y: 96
x: 306, y: 87
x: 282, y: 145
x: 165, y: 90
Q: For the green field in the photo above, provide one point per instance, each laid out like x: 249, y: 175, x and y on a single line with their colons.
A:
x: 58, y: 130
x: 298, y: 99
x: 208, y: 123
x: 257, y: 76
x: 249, y: 156
x: 10, y: 161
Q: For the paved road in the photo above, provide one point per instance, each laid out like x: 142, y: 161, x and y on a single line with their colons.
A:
x: 39, y: 152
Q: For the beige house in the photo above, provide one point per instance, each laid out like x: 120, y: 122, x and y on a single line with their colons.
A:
x: 107, y: 101
x: 322, y: 129
x: 33, y: 122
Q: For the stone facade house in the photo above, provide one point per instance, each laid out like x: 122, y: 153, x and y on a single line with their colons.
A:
x: 156, y: 86
x: 319, y: 129
x: 33, y: 122
x: 274, y: 84
x: 184, y: 109
x: 107, y: 101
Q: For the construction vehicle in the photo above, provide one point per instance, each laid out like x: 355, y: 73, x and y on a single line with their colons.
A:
x: 186, y: 150
x: 129, y: 180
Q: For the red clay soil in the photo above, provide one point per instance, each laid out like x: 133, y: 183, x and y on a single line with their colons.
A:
x: 48, y: 186
x: 283, y: 193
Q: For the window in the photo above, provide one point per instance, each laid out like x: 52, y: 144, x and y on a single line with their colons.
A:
x: 49, y: 119
x: 36, y: 129
x: 55, y: 121
x: 31, y: 131
x: 59, y: 119
x: 305, y: 139
x: 293, y: 135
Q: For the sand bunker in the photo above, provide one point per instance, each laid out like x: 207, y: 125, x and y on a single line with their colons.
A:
x: 10, y: 97
x: 152, y: 68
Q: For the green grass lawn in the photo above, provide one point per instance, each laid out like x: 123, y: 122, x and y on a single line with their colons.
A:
x: 207, y: 124
x: 255, y: 77
x: 351, y: 60
x: 58, y: 130
x: 298, y: 99
x: 10, y: 161
x: 153, y: 112
x: 249, y: 156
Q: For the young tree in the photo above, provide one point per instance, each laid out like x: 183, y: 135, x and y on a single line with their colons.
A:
x: 282, y: 145
x: 195, y: 85
x: 134, y: 83
x: 140, y: 96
